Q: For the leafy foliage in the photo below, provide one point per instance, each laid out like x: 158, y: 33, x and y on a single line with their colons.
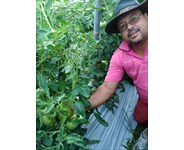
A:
x: 70, y: 66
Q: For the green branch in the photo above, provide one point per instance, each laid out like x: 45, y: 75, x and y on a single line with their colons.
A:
x: 47, y: 20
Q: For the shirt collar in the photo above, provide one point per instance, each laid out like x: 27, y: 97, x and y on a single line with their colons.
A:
x: 124, y: 46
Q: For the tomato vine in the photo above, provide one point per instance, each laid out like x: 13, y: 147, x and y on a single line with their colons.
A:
x: 70, y: 65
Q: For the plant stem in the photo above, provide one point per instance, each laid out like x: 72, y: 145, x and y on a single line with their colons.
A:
x: 43, y: 11
x: 107, y: 7
x: 38, y: 65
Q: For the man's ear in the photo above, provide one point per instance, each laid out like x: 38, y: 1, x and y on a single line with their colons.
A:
x: 145, y: 15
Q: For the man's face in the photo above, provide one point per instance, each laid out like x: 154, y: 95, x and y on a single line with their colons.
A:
x: 133, y: 27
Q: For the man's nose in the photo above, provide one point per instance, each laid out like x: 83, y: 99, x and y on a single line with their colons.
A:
x: 129, y: 26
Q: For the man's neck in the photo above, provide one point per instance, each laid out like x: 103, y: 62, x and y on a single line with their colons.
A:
x: 140, y: 48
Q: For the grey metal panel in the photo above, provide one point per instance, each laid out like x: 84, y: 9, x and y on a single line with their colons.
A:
x: 120, y: 123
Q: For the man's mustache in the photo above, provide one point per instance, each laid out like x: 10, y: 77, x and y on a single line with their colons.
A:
x: 132, y: 30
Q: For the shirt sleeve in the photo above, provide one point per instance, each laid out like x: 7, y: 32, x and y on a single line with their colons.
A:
x: 115, y: 71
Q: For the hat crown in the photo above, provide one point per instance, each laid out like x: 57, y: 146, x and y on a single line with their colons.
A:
x: 124, y: 5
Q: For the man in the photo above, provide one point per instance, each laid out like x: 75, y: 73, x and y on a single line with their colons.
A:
x: 131, y: 21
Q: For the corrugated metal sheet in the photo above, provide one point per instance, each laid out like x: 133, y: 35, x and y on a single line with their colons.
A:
x: 120, y: 123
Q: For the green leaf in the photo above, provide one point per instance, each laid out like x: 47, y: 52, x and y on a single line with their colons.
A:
x: 59, y: 97
x: 58, y: 147
x: 53, y: 87
x: 48, y: 5
x: 79, y: 108
x: 49, y: 108
x: 81, y: 144
x: 42, y: 33
x: 85, y: 92
x: 54, y: 60
x: 76, y: 91
x: 39, y: 135
x: 100, y: 119
x: 62, y: 84
x: 53, y: 71
x: 60, y: 134
x: 43, y: 84
x: 73, y: 137
x: 91, y: 141
x: 47, y: 140
x: 86, y: 103
x: 67, y: 68
x: 40, y: 93
x: 39, y: 102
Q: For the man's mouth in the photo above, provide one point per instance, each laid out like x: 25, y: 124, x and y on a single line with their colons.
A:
x: 132, y: 33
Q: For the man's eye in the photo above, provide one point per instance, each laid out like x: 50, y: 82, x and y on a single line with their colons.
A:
x: 133, y: 18
x: 122, y: 26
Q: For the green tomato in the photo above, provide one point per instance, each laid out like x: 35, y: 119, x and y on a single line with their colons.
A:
x: 44, y: 110
x: 61, y: 117
x: 66, y: 111
x: 53, y: 115
x: 69, y: 113
x: 71, y: 125
x: 103, y: 24
x: 47, y: 120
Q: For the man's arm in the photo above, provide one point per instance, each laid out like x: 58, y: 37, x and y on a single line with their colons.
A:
x: 103, y: 93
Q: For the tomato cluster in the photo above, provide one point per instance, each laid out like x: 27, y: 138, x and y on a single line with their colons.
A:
x: 62, y: 114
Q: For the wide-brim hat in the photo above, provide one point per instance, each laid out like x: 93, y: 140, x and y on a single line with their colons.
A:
x: 122, y: 7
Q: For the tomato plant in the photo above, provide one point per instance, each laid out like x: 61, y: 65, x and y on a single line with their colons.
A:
x: 70, y: 65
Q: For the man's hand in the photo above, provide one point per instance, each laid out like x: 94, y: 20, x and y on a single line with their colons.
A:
x: 103, y: 93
